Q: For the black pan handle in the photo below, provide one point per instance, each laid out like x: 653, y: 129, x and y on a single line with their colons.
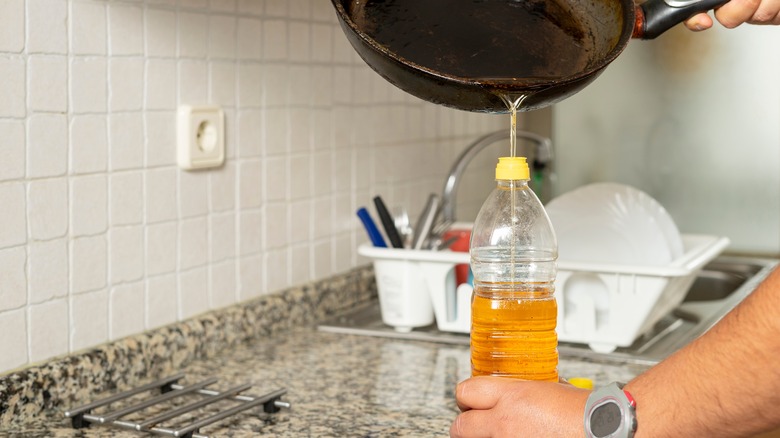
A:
x: 662, y: 15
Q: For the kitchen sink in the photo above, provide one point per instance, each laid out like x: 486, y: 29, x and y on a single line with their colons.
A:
x: 719, y: 286
x: 719, y: 279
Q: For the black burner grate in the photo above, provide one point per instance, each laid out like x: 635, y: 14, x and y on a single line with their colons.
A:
x: 162, y: 407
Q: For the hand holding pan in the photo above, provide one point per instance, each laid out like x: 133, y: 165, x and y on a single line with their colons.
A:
x: 466, y: 54
x: 657, y: 16
x: 733, y: 14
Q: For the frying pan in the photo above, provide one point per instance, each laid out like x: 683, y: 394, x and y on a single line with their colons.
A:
x: 467, y: 54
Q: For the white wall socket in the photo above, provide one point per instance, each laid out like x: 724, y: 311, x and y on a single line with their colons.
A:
x: 200, y: 136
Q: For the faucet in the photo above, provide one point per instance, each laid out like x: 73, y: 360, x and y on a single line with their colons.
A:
x: 541, y: 168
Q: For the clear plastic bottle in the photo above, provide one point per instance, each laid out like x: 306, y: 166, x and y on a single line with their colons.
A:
x: 513, y: 258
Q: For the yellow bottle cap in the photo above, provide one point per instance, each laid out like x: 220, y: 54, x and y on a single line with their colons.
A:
x: 581, y: 382
x: 509, y: 168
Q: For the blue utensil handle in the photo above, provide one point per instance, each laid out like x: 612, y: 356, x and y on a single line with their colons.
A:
x: 373, y: 232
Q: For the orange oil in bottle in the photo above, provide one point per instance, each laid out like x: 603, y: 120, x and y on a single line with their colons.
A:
x: 513, y: 333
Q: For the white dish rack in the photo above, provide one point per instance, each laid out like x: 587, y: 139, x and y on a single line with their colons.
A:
x: 604, y: 306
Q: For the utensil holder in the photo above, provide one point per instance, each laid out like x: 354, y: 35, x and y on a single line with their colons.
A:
x: 417, y: 287
x: 403, y: 296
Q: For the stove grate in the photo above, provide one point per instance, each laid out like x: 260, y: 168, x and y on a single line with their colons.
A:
x: 169, y: 391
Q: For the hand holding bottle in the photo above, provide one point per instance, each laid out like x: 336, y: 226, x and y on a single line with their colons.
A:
x: 500, y: 407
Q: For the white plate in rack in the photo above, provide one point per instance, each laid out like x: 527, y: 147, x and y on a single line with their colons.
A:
x: 614, y: 223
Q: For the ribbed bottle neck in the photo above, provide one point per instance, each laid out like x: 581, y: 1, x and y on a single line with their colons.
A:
x: 509, y: 183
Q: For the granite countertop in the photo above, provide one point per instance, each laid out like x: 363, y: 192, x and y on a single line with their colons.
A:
x: 337, y: 384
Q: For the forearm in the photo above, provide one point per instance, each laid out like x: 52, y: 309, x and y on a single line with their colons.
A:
x: 726, y: 383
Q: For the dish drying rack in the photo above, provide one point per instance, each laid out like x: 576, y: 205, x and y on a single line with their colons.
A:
x: 82, y: 416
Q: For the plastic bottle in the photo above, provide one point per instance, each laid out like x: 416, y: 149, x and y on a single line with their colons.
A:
x: 513, y: 258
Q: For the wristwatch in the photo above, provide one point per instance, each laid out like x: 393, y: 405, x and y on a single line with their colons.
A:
x: 610, y: 412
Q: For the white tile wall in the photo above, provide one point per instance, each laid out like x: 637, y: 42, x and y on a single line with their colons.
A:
x: 12, y: 88
x: 47, y: 145
x: 12, y: 153
x: 48, y: 329
x: 126, y: 315
x: 13, y: 231
x: 47, y: 270
x: 88, y: 266
x: 88, y: 319
x: 102, y: 236
x: 16, y: 346
x: 13, y: 278
x: 12, y: 33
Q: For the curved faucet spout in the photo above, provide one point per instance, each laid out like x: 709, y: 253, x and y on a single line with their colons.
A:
x: 542, y: 161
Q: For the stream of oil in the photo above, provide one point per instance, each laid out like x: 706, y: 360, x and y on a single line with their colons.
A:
x: 514, y: 103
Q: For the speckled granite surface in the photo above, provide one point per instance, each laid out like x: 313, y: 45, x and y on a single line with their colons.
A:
x: 338, y: 385
x: 75, y: 379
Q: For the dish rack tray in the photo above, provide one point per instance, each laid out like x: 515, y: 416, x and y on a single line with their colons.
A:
x: 610, y: 305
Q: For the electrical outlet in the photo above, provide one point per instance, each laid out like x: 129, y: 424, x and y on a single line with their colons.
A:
x: 200, y: 137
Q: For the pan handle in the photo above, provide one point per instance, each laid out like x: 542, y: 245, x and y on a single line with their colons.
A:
x: 655, y: 17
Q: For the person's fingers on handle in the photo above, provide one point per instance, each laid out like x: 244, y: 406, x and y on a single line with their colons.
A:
x: 768, y: 12
x: 481, y: 392
x: 699, y: 22
x: 736, y: 12
x: 471, y: 424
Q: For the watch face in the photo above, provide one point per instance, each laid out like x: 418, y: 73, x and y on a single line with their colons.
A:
x: 605, y: 419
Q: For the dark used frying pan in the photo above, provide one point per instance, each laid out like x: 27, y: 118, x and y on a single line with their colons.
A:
x: 466, y: 54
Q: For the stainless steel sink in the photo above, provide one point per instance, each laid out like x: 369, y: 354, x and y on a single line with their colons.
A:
x: 721, y: 278
x: 720, y: 286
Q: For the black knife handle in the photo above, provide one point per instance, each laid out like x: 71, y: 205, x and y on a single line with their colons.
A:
x: 388, y: 223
